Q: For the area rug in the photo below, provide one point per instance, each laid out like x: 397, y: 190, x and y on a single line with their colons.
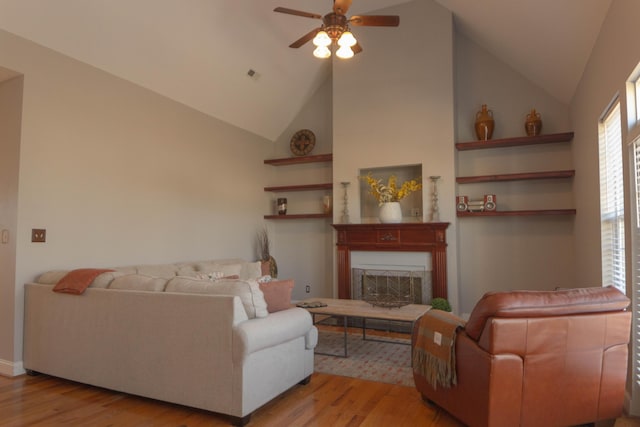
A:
x: 368, y: 360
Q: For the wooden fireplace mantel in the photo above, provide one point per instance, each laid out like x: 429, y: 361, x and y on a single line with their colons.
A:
x: 407, y: 237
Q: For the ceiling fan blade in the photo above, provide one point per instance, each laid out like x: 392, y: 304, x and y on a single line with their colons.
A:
x: 356, y: 48
x: 375, y: 20
x: 302, y: 40
x: 297, y: 13
x: 341, y: 6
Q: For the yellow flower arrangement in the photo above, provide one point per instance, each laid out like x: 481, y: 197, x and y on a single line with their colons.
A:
x: 390, y: 192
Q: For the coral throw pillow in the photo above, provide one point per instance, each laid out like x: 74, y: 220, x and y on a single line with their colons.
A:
x: 76, y: 281
x: 277, y: 293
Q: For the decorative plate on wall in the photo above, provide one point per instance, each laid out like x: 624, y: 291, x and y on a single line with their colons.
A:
x: 302, y: 142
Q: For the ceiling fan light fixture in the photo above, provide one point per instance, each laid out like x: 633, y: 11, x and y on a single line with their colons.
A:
x: 322, y: 52
x: 322, y: 39
x: 344, y: 52
x: 347, y: 39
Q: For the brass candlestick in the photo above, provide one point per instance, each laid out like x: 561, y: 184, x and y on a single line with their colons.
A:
x: 345, y: 210
x: 435, y: 211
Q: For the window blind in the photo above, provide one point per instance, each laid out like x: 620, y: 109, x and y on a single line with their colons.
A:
x: 612, y: 200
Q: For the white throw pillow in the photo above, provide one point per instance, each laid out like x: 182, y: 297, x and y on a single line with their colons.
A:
x: 251, y: 270
x: 248, y: 290
x: 138, y: 282
x: 225, y: 269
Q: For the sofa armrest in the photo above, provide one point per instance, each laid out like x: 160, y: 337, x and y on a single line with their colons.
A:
x: 277, y: 328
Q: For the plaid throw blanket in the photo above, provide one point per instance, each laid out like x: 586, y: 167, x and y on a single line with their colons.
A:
x: 434, y: 351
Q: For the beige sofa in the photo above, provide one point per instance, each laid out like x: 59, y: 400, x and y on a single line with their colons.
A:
x: 163, y: 333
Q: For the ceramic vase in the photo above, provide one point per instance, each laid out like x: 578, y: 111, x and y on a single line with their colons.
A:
x: 282, y: 206
x: 269, y: 266
x: 533, y: 123
x: 390, y: 213
x: 484, y: 123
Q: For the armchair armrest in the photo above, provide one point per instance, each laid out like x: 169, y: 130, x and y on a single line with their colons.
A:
x: 259, y: 333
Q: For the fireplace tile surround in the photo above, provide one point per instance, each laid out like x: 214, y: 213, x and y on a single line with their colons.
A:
x: 404, y: 237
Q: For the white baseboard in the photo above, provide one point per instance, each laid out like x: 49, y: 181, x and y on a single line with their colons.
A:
x: 11, y: 369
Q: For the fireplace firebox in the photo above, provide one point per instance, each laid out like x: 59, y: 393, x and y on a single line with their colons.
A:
x: 390, y: 288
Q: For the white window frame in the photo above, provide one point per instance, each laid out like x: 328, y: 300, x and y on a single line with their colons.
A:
x: 633, y: 141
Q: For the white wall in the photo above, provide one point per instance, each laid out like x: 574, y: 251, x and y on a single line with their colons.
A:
x: 303, y: 248
x: 120, y: 175
x: 394, y: 106
x: 505, y: 253
x: 612, y: 60
x: 10, y: 111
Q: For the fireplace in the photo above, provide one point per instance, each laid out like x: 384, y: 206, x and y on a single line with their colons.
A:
x: 427, y: 239
x: 391, y: 288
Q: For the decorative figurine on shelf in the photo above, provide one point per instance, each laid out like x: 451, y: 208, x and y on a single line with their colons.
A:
x: 484, y: 123
x: 533, y: 123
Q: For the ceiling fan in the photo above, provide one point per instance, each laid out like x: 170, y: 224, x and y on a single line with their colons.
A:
x: 335, y: 29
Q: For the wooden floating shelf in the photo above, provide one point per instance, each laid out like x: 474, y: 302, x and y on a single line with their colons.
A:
x: 516, y: 176
x: 514, y: 142
x: 307, y: 187
x: 519, y: 213
x: 300, y: 160
x: 299, y: 216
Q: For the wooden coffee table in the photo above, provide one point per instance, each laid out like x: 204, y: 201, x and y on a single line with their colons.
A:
x: 348, y: 308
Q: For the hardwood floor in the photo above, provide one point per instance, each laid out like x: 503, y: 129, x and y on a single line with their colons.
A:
x: 326, y: 401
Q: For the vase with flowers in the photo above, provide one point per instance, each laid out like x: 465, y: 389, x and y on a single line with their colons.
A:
x: 389, y: 195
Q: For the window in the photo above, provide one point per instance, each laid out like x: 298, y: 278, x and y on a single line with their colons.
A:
x: 637, y: 98
x: 635, y: 296
x: 633, y: 107
x: 612, y: 199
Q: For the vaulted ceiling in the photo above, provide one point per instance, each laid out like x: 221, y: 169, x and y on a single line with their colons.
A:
x: 198, y: 52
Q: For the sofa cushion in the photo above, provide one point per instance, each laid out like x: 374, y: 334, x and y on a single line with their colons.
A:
x: 51, y: 277
x: 127, y: 269
x: 188, y: 270
x: 138, y: 282
x: 277, y: 294
x: 159, y: 270
x: 248, y: 290
x: 104, y: 279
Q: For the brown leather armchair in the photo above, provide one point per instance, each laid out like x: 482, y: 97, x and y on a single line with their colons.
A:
x: 539, y: 358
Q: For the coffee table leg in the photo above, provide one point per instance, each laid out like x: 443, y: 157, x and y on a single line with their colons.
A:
x: 364, y: 328
x: 344, y: 319
x: 345, y: 328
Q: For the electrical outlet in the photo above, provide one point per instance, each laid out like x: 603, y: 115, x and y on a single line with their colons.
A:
x: 38, y: 235
x: 307, y: 288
